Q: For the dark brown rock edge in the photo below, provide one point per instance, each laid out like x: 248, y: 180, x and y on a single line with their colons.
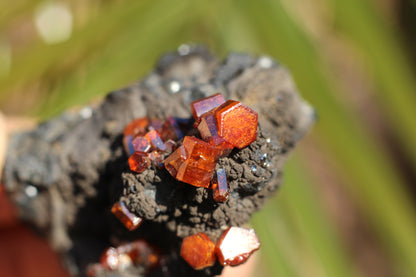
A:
x: 65, y: 175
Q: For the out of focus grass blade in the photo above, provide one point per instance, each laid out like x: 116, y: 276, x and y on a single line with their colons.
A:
x: 317, y: 251
x: 386, y: 59
x: 41, y: 58
x: 138, y: 47
x: 371, y: 179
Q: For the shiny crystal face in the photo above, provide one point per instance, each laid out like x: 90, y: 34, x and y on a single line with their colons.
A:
x: 198, y: 251
x: 129, y: 219
x: 236, y: 245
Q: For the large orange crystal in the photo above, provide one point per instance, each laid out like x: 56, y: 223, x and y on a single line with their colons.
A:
x: 130, y: 220
x: 236, y: 123
x: 204, y: 105
x: 199, y: 166
x: 198, y: 251
x: 236, y: 245
x: 219, y: 186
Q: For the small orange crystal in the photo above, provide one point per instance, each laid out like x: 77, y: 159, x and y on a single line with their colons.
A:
x: 204, y: 105
x: 198, y: 251
x: 130, y: 220
x: 219, y: 186
x: 236, y: 123
x: 236, y: 245
x: 139, y: 162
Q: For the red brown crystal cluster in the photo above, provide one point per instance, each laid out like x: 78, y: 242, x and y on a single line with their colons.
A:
x: 222, y: 125
x: 233, y: 248
x: 137, y: 252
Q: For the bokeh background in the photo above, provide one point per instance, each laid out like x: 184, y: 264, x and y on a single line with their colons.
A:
x: 347, y: 206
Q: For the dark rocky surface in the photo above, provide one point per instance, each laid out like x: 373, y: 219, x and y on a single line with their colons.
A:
x: 65, y: 175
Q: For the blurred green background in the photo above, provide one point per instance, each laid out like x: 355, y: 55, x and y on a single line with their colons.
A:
x: 347, y: 206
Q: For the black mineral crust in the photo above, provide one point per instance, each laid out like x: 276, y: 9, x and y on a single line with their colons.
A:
x: 75, y: 167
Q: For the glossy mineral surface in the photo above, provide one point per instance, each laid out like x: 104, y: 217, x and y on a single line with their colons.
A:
x: 139, y: 162
x: 236, y: 245
x: 129, y: 220
x: 219, y: 186
x: 198, y: 167
x: 198, y: 251
x: 237, y: 123
x: 204, y: 105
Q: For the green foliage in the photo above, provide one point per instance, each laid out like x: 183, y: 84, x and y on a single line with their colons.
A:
x: 117, y: 42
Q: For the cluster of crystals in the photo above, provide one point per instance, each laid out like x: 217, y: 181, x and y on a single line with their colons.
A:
x: 149, y: 141
x: 233, y: 248
x: 222, y: 125
x: 138, y: 252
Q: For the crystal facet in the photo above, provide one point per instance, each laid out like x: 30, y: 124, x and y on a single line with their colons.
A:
x: 219, y: 186
x: 128, y: 144
x: 204, y: 105
x: 208, y: 129
x: 236, y: 123
x: 156, y: 141
x: 130, y: 220
x: 199, y: 166
x: 141, y: 144
x: 236, y: 245
x: 139, y: 162
x: 175, y: 160
x: 198, y: 251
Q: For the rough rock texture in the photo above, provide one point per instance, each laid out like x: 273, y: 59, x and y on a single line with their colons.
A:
x: 65, y: 175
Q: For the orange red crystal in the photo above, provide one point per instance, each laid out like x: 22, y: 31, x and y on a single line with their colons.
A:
x: 139, y: 162
x: 236, y: 123
x: 122, y: 213
x: 198, y: 251
x: 236, y: 245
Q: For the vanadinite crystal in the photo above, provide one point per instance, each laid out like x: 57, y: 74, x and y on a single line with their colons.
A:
x: 236, y: 245
x: 130, y: 220
x: 138, y: 162
x: 219, y: 186
x: 141, y: 144
x: 155, y: 140
x: 236, y: 123
x: 194, y: 162
x: 198, y: 251
x: 204, y: 105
